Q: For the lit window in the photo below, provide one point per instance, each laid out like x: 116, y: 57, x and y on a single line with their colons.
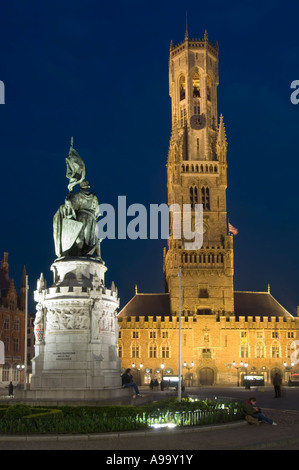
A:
x: 152, y: 351
x: 244, y: 350
x: 182, y: 86
x: 196, y: 85
x: 260, y: 350
x: 135, y: 350
x: 209, y: 86
x: 165, y: 352
x: 275, y: 350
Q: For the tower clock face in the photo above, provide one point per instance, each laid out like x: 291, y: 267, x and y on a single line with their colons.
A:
x: 198, y: 121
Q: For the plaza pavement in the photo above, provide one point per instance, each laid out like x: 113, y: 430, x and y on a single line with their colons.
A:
x: 231, y: 436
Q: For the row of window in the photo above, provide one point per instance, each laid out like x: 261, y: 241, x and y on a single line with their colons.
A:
x: 274, y: 334
x: 260, y: 350
x: 15, y: 324
x: 10, y: 373
x: 196, y: 87
x: 135, y: 351
x: 152, y: 334
x: 200, y: 198
x: 203, y: 292
x: 199, y: 168
x: 164, y: 351
x: 16, y: 344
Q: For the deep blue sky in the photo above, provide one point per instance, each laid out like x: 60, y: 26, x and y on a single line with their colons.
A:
x: 99, y: 71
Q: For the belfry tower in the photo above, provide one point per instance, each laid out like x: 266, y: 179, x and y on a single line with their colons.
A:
x: 197, y: 174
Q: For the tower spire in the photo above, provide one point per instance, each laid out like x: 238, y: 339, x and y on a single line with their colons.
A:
x: 186, y: 32
x: 221, y: 139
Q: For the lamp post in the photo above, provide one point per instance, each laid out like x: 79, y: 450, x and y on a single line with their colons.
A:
x: 138, y: 372
x: 288, y: 369
x: 26, y: 329
x: 247, y: 385
x: 189, y: 368
x: 180, y: 334
x: 162, y: 384
x: 240, y: 367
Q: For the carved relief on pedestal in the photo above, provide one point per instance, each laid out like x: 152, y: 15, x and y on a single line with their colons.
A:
x: 74, y: 318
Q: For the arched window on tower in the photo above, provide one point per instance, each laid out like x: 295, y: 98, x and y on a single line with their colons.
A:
x: 196, y: 85
x: 209, y: 88
x: 182, y: 88
x: 183, y: 116
x: 193, y: 196
x: 205, y: 197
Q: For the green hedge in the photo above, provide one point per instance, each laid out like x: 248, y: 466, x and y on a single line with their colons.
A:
x: 96, y: 419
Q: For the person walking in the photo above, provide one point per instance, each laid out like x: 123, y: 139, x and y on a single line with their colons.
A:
x: 127, y: 381
x: 10, y: 389
x: 277, y: 385
x: 253, y: 414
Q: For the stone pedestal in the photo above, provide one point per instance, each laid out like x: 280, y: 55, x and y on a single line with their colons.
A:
x: 76, y: 332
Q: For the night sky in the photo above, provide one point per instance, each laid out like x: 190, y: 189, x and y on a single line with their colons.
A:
x: 98, y: 71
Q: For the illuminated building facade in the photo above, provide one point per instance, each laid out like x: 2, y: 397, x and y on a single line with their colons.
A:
x: 12, y: 325
x: 225, y: 334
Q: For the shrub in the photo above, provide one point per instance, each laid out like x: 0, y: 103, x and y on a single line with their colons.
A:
x: 90, y: 419
x: 17, y: 411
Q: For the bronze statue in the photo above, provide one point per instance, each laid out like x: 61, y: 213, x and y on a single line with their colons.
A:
x: 75, y: 227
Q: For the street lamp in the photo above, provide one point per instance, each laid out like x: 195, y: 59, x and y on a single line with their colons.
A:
x: 162, y: 385
x: 138, y: 371
x: 288, y: 369
x: 189, y: 368
x: 236, y: 367
x: 240, y: 367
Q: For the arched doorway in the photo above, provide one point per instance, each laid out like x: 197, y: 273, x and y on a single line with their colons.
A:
x: 206, y: 376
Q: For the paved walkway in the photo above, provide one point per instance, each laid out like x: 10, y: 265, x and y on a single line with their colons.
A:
x: 234, y: 436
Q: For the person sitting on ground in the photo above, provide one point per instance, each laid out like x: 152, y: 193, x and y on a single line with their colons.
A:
x: 254, y: 414
x: 127, y: 381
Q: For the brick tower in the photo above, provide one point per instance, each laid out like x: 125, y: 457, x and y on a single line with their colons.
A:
x: 197, y: 174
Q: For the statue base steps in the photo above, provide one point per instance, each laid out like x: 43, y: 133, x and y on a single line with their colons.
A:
x: 72, y: 396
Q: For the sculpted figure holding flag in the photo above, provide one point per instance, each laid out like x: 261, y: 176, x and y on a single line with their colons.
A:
x: 75, y: 227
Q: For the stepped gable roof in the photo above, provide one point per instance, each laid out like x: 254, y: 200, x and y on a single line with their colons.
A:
x: 146, y: 305
x: 258, y: 304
